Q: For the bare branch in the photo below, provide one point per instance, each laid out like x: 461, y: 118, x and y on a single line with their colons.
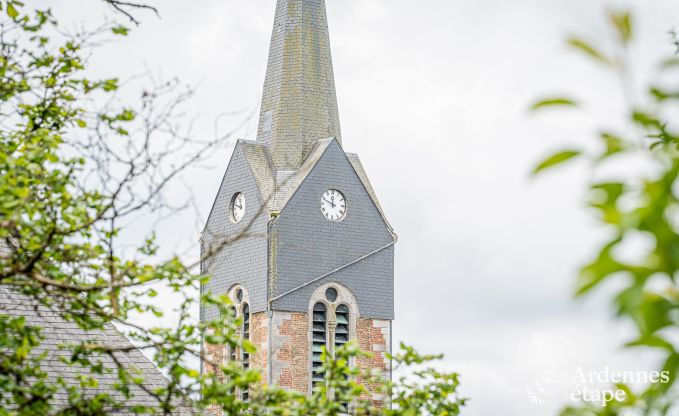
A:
x: 127, y: 8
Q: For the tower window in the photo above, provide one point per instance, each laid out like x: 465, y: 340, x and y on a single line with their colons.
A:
x: 342, y: 331
x: 232, y: 350
x: 331, y: 294
x: 331, y: 326
x: 319, y: 340
x: 246, y: 336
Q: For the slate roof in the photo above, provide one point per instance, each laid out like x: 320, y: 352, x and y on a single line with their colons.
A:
x: 299, y: 106
x: 276, y: 187
x: 299, y: 102
x: 58, y: 333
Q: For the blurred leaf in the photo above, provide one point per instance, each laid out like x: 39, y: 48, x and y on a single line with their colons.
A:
x: 553, y: 102
x: 120, y: 30
x: 662, y: 95
x: 604, y: 197
x: 556, y: 159
x: 652, y: 341
x: 613, y: 143
x: 645, y: 119
x: 598, y: 270
x: 12, y: 11
x: 589, y: 50
x: 649, y: 310
x: 669, y: 63
x: 623, y: 24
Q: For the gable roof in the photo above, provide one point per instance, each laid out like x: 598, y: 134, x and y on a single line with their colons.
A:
x: 360, y: 171
x: 58, y: 334
x: 276, y: 187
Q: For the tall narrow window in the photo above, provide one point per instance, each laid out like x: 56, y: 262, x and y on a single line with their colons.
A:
x: 231, y: 356
x: 342, y: 331
x: 319, y: 340
x: 246, y: 336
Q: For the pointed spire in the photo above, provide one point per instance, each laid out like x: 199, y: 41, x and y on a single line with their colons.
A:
x: 299, y: 104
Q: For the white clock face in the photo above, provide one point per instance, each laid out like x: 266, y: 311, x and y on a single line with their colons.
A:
x: 237, y: 207
x: 333, y: 205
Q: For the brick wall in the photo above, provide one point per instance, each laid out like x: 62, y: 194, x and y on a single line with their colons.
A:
x: 214, y: 357
x: 290, y: 347
x: 259, y: 336
x: 374, y: 336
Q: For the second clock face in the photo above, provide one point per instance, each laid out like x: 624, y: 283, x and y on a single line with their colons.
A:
x: 237, y: 207
x: 333, y: 205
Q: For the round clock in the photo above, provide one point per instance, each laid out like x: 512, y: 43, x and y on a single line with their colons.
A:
x: 333, y: 205
x: 237, y: 207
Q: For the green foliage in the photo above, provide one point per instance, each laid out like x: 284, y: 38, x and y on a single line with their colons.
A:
x: 554, y: 102
x: 556, y: 159
x: 72, y: 171
x: 632, y: 205
x: 426, y: 391
x: 586, y: 48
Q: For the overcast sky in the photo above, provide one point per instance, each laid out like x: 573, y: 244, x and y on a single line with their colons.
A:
x: 433, y: 95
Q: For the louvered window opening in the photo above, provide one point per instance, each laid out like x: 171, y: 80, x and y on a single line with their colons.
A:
x: 342, y: 332
x: 319, y: 340
x: 246, y: 336
x: 232, y: 349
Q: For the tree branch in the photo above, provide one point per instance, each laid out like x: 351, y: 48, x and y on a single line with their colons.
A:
x: 126, y: 8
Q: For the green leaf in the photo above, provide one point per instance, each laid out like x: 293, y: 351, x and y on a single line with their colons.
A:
x: 554, y: 102
x: 623, y: 24
x: 669, y: 63
x: 604, y: 266
x: 604, y: 197
x: 613, y: 143
x: 120, y: 30
x: 556, y: 159
x: 645, y: 119
x: 589, y: 50
x: 653, y: 341
x: 662, y: 95
x: 12, y: 11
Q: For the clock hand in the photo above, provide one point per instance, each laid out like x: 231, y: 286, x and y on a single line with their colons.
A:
x: 238, y: 206
x: 331, y: 203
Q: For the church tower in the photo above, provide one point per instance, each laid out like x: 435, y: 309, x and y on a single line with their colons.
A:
x: 310, y: 258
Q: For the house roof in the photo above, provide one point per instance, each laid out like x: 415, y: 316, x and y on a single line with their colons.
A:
x: 60, y: 335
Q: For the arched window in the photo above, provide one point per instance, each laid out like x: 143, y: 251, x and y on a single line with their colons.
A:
x: 333, y: 311
x: 319, y: 340
x: 246, y: 336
